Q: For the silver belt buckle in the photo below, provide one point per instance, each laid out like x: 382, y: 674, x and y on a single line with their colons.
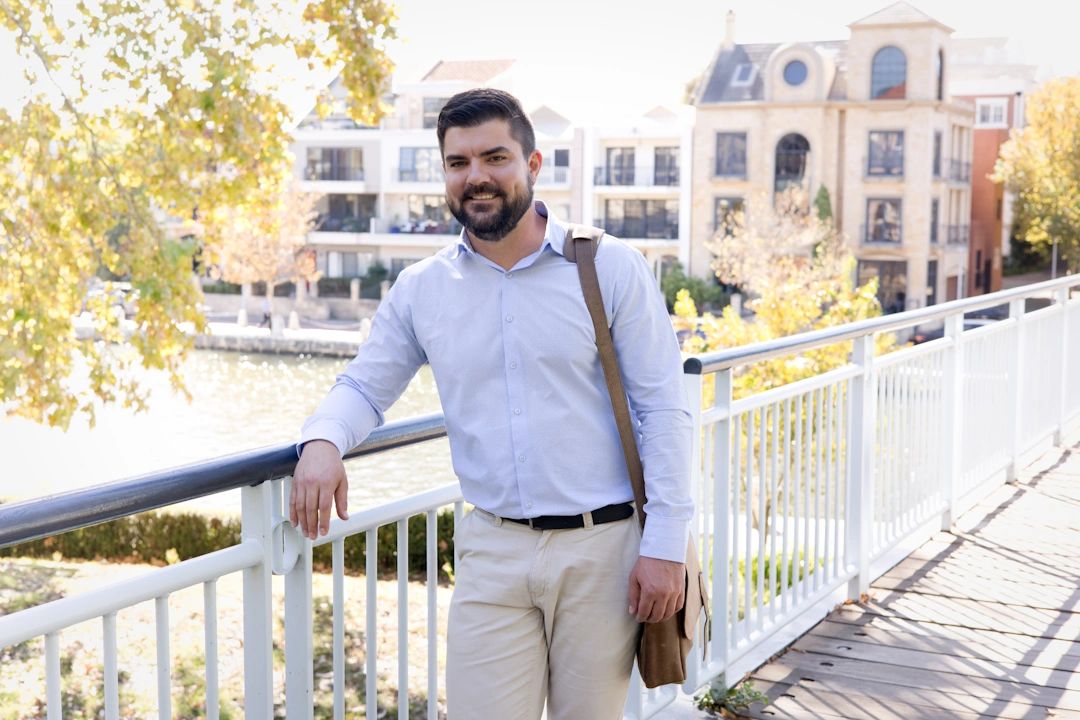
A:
x: 531, y: 527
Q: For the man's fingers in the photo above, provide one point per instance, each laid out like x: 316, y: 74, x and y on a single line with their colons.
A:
x: 311, y: 509
x: 635, y: 593
x: 293, y: 516
x: 341, y: 497
x: 326, y: 499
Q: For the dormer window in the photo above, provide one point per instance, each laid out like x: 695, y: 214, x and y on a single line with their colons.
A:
x: 795, y: 73
x: 744, y: 75
x: 888, y: 79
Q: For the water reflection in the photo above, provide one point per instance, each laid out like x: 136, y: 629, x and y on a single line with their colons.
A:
x: 239, y: 401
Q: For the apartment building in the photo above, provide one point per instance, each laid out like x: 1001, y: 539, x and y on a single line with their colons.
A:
x: 982, y: 73
x: 870, y: 119
x: 381, y: 187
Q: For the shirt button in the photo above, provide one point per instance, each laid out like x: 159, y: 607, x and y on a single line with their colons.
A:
x: 528, y: 506
x: 509, y: 275
x: 513, y: 366
x: 509, y: 318
x: 517, y: 411
x: 521, y: 458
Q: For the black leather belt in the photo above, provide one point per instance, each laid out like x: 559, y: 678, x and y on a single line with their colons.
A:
x: 606, y: 514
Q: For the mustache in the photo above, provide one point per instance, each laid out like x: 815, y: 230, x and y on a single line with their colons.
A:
x: 473, y: 190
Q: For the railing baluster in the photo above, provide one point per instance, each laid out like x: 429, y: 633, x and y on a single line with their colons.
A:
x: 827, y: 397
x: 808, y: 442
x: 859, y: 501
x: 111, y: 667
x: 210, y: 649
x: 785, y: 462
x: 723, y: 569
x: 733, y: 520
x: 53, y: 694
x: 818, y: 443
x: 164, y: 658
x: 403, y: 617
x: 255, y: 519
x: 774, y: 557
x: 371, y: 642
x: 1062, y: 297
x: 431, y: 541
x: 338, y: 566
x: 762, y: 425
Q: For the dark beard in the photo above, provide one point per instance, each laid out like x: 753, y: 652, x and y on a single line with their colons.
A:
x: 495, y: 226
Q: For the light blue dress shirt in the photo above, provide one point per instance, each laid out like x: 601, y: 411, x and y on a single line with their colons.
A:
x: 527, y: 411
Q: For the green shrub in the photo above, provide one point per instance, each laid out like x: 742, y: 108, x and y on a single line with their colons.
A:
x: 152, y: 537
x: 706, y: 294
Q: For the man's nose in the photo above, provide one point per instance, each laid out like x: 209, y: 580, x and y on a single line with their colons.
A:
x: 477, y: 173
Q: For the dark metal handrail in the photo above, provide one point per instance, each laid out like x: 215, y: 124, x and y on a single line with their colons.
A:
x: 54, y: 514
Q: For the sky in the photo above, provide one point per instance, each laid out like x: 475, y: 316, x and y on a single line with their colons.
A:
x: 593, y: 58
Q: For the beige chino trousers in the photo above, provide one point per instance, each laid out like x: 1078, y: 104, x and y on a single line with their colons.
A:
x: 540, y: 615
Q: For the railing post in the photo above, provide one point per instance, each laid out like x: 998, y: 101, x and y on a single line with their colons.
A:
x: 693, y: 384
x: 299, y: 650
x: 952, y: 402
x: 721, y: 555
x: 859, y: 503
x: 1016, y: 385
x: 1063, y: 383
x: 255, y: 518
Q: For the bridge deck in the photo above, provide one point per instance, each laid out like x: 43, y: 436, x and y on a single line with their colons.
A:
x: 980, y: 622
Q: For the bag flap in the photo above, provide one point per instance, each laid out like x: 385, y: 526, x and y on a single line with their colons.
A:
x: 584, y: 232
x: 695, y: 594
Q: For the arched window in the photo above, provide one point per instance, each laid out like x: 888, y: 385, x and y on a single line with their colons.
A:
x: 888, y: 79
x: 791, y: 154
x: 939, y: 73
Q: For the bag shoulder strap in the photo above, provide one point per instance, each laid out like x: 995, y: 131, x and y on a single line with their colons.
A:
x: 580, y: 247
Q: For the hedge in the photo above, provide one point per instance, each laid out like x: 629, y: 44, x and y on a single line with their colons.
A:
x: 161, y: 537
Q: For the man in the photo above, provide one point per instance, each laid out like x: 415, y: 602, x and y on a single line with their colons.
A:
x: 538, y: 614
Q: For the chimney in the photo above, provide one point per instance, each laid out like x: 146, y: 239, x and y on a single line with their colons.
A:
x: 729, y: 33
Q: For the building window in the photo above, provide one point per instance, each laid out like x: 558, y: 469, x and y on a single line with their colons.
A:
x: 744, y: 75
x: 934, y: 210
x: 886, y: 153
x: 892, y: 282
x: 731, y: 154
x: 991, y: 113
x: 937, y: 153
x: 432, y: 108
x: 795, y: 73
x: 888, y: 78
x: 791, y: 154
x: 345, y: 213
x: 562, y: 157
x: 618, y: 168
x: 428, y: 214
x: 397, y: 265
x: 420, y: 164
x: 666, y: 166
x: 728, y: 214
x: 939, y: 73
x: 931, y: 283
x: 883, y: 220
x: 334, y: 164
x: 652, y: 219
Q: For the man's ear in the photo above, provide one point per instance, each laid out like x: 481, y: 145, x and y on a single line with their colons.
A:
x: 536, y: 161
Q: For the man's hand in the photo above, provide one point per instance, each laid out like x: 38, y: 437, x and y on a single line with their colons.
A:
x: 657, y: 589
x: 318, y: 481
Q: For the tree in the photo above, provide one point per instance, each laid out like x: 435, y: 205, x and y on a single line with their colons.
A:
x: 1041, y: 164
x: 135, y: 113
x: 250, y: 245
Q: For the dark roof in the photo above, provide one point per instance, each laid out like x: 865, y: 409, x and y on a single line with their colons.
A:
x: 718, y: 88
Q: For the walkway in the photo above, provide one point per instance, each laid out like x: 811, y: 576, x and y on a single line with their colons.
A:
x: 980, y: 622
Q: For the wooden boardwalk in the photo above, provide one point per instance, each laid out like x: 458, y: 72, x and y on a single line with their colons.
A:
x: 980, y: 622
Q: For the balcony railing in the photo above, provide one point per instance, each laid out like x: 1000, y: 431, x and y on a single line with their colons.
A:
x: 641, y: 176
x: 880, y: 234
x: 959, y: 171
x: 648, y: 229
x: 958, y: 234
x: 553, y: 175
x: 360, y: 224
x: 818, y: 483
x: 423, y: 175
x: 337, y: 173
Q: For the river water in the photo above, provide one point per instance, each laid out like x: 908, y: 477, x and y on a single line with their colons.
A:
x: 239, y: 402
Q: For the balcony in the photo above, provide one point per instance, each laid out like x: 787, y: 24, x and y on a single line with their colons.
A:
x: 641, y: 228
x: 880, y: 234
x: 806, y: 494
x: 359, y: 224
x: 641, y: 176
x: 957, y: 234
x: 553, y: 175
x: 334, y: 173
x: 959, y: 171
x: 432, y: 174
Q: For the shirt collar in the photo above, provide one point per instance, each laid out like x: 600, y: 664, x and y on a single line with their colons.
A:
x: 554, y: 233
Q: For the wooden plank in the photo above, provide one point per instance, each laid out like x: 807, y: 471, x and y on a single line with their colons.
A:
x: 958, y: 568
x: 986, y: 589
x: 962, y: 642
x: 819, y: 666
x: 944, y: 661
x: 865, y: 700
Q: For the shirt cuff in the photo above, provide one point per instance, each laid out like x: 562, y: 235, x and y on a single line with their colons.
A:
x: 328, y: 430
x: 665, y: 538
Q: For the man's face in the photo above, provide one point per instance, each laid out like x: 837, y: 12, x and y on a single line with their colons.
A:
x: 488, y: 180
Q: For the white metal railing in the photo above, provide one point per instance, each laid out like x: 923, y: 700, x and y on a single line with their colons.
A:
x: 805, y: 493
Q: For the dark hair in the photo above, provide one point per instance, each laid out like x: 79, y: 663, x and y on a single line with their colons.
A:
x: 477, y: 106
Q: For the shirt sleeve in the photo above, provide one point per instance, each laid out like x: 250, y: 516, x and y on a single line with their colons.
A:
x: 374, y: 379
x: 651, y: 366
